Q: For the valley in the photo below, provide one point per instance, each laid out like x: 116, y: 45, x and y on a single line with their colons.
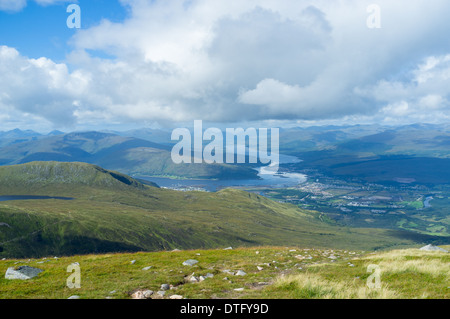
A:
x: 112, y: 212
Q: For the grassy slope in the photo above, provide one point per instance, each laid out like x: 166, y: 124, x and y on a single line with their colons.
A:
x: 112, y: 212
x: 287, y: 273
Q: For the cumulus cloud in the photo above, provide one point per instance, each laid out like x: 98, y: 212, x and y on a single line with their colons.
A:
x: 39, y: 86
x: 242, y: 61
x: 425, y: 96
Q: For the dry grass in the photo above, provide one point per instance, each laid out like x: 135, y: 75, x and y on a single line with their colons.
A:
x: 411, y: 274
x: 310, y: 286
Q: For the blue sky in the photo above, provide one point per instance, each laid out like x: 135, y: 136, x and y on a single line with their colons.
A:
x: 38, y: 30
x: 137, y: 63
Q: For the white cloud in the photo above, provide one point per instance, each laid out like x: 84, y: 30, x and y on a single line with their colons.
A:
x: 17, y: 5
x: 241, y: 61
x: 425, y: 95
x: 39, y: 86
x: 12, y: 5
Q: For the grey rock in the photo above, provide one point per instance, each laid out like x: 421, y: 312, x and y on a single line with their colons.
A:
x: 142, y: 294
x: 190, y: 262
x: 241, y: 273
x: 433, y: 248
x: 74, y: 297
x: 133, y: 262
x: 228, y: 248
x: 161, y: 293
x: 193, y: 279
x: 22, y: 272
x: 147, y: 268
x: 209, y: 275
x: 176, y: 297
x: 165, y: 287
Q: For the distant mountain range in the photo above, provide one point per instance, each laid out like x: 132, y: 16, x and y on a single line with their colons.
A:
x: 130, y: 155
x: 372, y: 152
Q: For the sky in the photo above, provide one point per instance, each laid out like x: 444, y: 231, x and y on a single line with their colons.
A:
x: 165, y: 63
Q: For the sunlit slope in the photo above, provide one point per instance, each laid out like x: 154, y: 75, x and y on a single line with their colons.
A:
x: 112, y: 212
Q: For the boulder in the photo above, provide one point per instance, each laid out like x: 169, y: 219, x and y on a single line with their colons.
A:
x: 22, y: 272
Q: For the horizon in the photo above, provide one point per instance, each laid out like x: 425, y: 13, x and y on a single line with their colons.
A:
x: 223, y: 128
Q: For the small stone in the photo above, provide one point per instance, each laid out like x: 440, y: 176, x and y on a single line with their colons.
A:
x: 147, y: 268
x: 142, y: 294
x: 259, y: 268
x: 161, y: 293
x: 228, y: 248
x: 239, y: 289
x: 241, y: 273
x: 209, y: 275
x: 74, y: 297
x: 176, y: 297
x: 201, y: 278
x: 190, y: 262
x: 112, y: 292
x: 165, y: 287
x: 193, y: 279
x: 133, y: 262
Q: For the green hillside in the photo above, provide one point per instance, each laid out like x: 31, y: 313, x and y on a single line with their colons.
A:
x: 111, y: 212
